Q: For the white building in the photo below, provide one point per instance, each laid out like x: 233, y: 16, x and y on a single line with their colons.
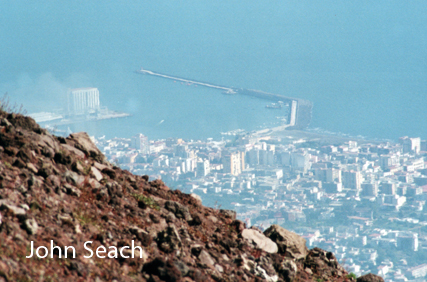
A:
x: 82, y: 101
x: 410, y: 145
x: 140, y: 142
x: 407, y: 241
x: 203, y: 168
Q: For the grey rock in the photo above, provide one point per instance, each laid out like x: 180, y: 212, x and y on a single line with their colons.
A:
x: 99, y: 166
x: 73, y: 178
x: 260, y: 240
x: 289, y: 243
x: 182, y: 267
x: 259, y: 271
x: 206, y: 259
x: 84, y: 144
x: 47, y: 140
x: 48, y: 152
x: 78, y: 167
x: 96, y: 173
x: 179, y: 210
x: 32, y: 168
x: 197, y: 197
x: 213, y: 218
x: 219, y: 268
x: 31, y: 226
x: 21, y: 189
x: 56, y: 182
x: 5, y: 122
x: 65, y: 218
x: 228, y: 213
x: 74, y: 150
x: 370, y: 278
x: 35, y: 181
x: 73, y: 191
x: 168, y: 240
x: 94, y: 183
x: 288, y: 270
x: 17, y: 211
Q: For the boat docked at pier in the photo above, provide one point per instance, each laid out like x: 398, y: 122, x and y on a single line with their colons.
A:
x: 277, y: 105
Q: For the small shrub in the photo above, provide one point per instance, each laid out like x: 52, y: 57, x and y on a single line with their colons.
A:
x: 84, y: 219
x: 147, y: 201
x: 352, y: 276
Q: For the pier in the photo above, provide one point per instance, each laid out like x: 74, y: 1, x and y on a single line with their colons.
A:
x: 228, y: 90
x: 300, y: 109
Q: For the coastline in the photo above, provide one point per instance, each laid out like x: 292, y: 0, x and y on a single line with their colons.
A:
x: 309, y: 136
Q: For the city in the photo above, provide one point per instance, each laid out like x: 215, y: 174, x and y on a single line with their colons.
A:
x: 362, y: 200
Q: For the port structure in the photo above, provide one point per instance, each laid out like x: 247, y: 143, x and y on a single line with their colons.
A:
x: 300, y: 110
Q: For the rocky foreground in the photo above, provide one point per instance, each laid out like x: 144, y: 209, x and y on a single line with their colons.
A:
x: 58, y: 192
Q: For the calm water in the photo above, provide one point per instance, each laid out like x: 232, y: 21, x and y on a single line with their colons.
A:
x: 363, y: 64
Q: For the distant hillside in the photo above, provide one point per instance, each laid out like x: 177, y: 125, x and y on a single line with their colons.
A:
x: 58, y: 192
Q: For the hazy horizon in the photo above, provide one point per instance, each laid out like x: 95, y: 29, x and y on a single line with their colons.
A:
x: 361, y: 64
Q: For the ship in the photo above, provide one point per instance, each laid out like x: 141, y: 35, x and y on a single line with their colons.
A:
x: 277, y: 105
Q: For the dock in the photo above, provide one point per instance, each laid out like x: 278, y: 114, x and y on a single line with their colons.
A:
x: 300, y: 109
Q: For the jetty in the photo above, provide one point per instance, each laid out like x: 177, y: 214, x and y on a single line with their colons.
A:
x: 300, y: 110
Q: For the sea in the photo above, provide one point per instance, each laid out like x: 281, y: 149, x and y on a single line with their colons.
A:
x: 361, y: 63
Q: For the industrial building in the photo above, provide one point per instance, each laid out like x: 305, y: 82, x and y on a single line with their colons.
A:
x: 82, y: 101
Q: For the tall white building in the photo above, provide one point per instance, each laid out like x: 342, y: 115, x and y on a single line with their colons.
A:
x: 301, y: 161
x: 233, y: 162
x: 410, y: 145
x: 203, y: 168
x: 352, y: 179
x: 140, y: 142
x: 407, y: 241
x: 82, y: 101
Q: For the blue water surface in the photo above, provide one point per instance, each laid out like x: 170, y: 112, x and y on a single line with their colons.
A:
x: 362, y: 63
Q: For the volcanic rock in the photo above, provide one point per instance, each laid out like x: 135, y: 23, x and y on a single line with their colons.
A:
x: 63, y: 190
x: 370, y: 278
x: 289, y: 243
x: 260, y: 240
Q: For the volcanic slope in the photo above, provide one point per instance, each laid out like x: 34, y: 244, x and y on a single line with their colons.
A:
x: 58, y: 192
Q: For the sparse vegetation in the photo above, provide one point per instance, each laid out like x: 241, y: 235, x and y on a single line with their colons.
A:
x: 352, y: 276
x: 217, y: 206
x: 84, y: 218
x: 86, y: 168
x: 7, y: 106
x: 7, y: 165
x: 147, y: 201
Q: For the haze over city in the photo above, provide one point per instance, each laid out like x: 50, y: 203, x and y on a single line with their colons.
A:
x: 199, y: 94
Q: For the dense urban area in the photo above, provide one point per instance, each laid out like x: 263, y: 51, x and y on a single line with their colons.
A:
x: 365, y: 201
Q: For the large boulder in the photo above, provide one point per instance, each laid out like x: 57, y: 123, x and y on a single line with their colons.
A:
x: 322, y: 263
x: 83, y: 142
x: 179, y: 210
x: 370, y: 278
x: 260, y: 240
x: 289, y: 243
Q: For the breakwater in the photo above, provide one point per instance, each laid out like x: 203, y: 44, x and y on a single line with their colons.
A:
x: 300, y: 110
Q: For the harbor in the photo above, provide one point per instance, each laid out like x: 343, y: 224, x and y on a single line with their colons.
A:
x: 300, y: 110
x: 82, y: 105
